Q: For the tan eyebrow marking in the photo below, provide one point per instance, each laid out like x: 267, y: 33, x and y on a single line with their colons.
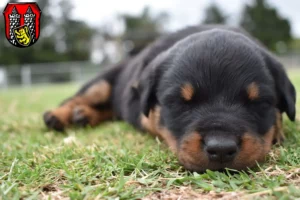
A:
x: 187, y: 91
x: 253, y: 91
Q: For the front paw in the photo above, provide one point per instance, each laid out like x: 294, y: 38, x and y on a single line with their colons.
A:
x: 80, y: 117
x: 52, y: 121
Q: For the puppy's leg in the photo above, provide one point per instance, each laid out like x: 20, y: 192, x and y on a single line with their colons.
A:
x: 152, y: 125
x: 91, y: 105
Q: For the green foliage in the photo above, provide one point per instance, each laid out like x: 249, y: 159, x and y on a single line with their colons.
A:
x: 266, y: 24
x: 214, y: 15
x: 295, y: 45
x: 142, y: 29
x: 115, y: 161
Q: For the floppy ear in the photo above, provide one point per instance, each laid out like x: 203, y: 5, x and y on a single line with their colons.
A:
x: 285, y: 90
x: 148, y: 95
x: 149, y: 83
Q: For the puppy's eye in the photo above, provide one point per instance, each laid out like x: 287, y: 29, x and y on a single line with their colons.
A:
x: 260, y: 108
x: 263, y: 104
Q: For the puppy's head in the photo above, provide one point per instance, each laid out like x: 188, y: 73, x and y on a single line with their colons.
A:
x: 221, y: 97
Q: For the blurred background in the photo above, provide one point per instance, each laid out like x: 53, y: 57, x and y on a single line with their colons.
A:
x: 81, y: 37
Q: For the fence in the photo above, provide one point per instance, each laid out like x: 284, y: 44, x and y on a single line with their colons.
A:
x: 47, y: 73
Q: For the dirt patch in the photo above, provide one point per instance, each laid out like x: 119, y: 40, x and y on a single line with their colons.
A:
x: 188, y: 193
x: 52, y: 191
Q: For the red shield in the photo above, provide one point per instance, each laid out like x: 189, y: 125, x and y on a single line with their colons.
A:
x: 22, y: 23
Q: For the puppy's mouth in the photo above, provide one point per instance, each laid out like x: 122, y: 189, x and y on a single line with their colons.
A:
x: 217, y: 152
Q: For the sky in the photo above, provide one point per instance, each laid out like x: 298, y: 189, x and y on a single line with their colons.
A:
x: 182, y: 12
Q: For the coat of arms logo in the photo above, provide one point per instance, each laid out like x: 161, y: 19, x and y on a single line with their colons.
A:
x: 22, y: 23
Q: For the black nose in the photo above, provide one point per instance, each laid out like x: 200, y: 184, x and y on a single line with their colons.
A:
x: 221, y: 149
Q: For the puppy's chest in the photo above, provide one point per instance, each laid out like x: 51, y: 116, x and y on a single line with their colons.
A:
x: 126, y: 99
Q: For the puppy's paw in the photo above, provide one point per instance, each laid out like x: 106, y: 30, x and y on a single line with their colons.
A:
x: 80, y: 116
x: 52, y: 121
x: 83, y: 115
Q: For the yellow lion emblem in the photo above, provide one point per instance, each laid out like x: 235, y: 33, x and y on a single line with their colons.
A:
x: 23, y: 36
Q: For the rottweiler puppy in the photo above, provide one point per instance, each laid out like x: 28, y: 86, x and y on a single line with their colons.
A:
x: 214, y: 94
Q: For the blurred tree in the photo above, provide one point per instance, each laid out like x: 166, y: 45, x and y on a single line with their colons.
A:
x: 295, y: 45
x: 143, y: 29
x: 76, y: 35
x: 265, y: 23
x: 214, y: 15
x: 47, y: 19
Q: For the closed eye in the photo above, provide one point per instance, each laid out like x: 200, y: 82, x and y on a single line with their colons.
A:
x: 264, y: 100
x: 264, y: 104
x: 261, y: 107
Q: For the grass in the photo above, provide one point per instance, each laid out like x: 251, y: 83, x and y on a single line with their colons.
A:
x: 115, y: 161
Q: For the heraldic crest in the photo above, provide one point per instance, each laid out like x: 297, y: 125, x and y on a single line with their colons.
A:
x: 22, y: 23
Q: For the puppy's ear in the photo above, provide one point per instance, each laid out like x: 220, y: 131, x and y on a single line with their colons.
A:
x: 285, y: 90
x: 149, y: 83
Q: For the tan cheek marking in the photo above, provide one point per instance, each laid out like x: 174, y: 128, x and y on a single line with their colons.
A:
x: 191, y: 144
x: 252, y: 150
x: 98, y: 93
x: 190, y: 153
x: 253, y: 91
x: 151, y: 124
x: 187, y: 91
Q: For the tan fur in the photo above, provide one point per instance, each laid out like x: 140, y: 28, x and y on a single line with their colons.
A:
x: 268, y: 139
x: 254, y: 149
x: 187, y: 91
x: 94, y: 116
x: 253, y: 91
x: 279, y: 134
x: 190, y: 153
x: 135, y: 84
x: 98, y: 93
x: 151, y: 124
x: 64, y: 112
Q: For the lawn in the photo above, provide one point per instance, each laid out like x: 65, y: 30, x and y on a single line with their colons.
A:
x: 115, y: 161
